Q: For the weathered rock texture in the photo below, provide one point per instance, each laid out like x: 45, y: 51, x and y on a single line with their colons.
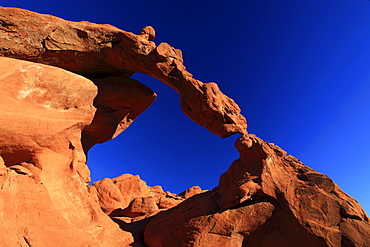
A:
x: 266, y: 198
x: 118, y: 102
x: 44, y: 200
x: 51, y: 117
x: 128, y: 195
x: 96, y: 50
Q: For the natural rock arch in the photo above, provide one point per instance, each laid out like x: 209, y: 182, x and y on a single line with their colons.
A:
x: 47, y: 196
x: 104, y: 51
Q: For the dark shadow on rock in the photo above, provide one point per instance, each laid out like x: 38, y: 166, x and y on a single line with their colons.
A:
x: 282, y: 229
x: 116, y: 213
x: 135, y: 228
x: 118, y: 102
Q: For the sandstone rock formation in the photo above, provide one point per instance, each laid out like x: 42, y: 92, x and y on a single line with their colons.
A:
x: 266, y: 198
x: 96, y: 50
x: 43, y: 195
x: 118, y: 102
x: 51, y: 117
x: 128, y: 195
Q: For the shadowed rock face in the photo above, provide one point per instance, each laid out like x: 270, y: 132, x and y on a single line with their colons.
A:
x: 51, y: 117
x: 118, y: 102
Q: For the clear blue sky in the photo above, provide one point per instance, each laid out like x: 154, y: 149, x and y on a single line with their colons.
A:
x: 298, y: 69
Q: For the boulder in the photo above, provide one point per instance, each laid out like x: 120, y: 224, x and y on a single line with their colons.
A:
x: 129, y: 196
x: 195, y: 190
x: 140, y: 206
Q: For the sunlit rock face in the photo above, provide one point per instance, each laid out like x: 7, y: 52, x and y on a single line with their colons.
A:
x: 129, y: 196
x: 95, y: 50
x: 266, y: 198
x: 74, y: 91
x: 44, y: 198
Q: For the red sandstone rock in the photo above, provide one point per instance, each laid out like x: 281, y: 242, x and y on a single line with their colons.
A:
x: 129, y: 196
x: 266, y: 198
x: 147, y: 33
x: 43, y: 175
x: 191, y: 192
x: 168, y: 202
x: 95, y: 50
x: 156, y: 192
x: 131, y: 187
x: 140, y: 206
x: 164, y: 200
x: 119, y: 101
x: 110, y: 197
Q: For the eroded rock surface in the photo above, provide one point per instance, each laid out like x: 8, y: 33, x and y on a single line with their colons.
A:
x: 51, y: 117
x: 43, y: 197
x: 266, y: 198
x: 129, y: 196
x: 119, y: 102
x: 95, y: 50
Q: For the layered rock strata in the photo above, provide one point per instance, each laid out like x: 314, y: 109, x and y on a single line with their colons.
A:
x: 51, y: 117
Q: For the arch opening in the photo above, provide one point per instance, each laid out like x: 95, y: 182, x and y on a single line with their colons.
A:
x: 164, y: 147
